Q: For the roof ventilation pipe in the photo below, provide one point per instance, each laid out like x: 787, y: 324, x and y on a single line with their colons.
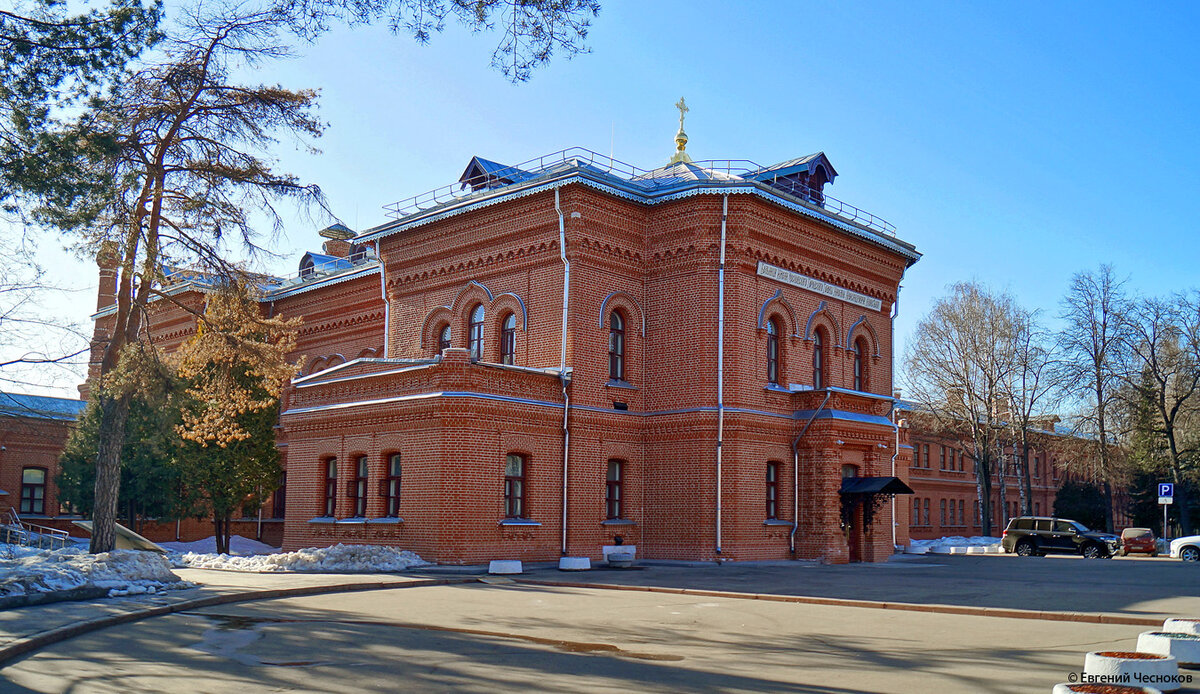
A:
x: 720, y: 356
x: 796, y: 473
x: 562, y: 363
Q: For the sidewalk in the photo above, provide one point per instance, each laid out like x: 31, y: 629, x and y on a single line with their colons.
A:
x: 27, y: 628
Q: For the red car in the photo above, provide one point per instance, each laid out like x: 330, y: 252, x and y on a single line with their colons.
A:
x: 1138, y: 540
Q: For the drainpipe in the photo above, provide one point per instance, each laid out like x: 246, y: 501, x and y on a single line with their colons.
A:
x: 721, y: 362
x: 895, y: 452
x: 387, y: 307
x: 796, y: 473
x: 562, y: 363
x: 895, y: 424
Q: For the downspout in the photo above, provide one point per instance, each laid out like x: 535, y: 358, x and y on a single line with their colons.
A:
x: 895, y: 423
x: 387, y: 307
x: 562, y: 363
x: 721, y: 362
x: 796, y: 473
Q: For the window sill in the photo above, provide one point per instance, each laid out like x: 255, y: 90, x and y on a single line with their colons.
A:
x: 519, y: 522
x: 389, y: 520
x: 354, y: 520
x: 777, y: 522
x: 776, y: 388
x: 322, y: 520
x: 613, y: 383
x: 618, y: 521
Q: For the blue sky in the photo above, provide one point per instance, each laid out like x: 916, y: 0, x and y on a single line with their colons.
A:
x: 1013, y: 143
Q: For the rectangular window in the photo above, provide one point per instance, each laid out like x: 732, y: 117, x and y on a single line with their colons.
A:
x: 926, y: 519
x: 916, y: 512
x: 391, y: 487
x: 514, y: 486
x: 926, y: 458
x: 1037, y: 466
x: 962, y: 512
x: 279, y: 504
x: 358, y: 488
x: 33, y: 491
x: 772, y: 491
x: 976, y: 516
x: 1037, y: 508
x: 614, y: 482
x: 916, y: 455
x: 943, y: 457
x: 943, y: 513
x: 330, y: 487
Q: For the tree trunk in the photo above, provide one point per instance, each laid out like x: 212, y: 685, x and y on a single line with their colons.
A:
x: 113, y: 414
x: 1002, y: 479
x: 1026, y: 480
x: 1109, y: 523
x: 983, y: 488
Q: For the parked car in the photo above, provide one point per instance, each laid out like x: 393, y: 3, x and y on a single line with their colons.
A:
x: 1186, y: 548
x: 1032, y: 536
x: 1138, y: 540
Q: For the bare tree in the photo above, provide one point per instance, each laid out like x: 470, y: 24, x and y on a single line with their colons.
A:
x: 1091, y: 344
x: 1163, y: 373
x: 186, y: 158
x: 1030, y: 386
x: 957, y: 365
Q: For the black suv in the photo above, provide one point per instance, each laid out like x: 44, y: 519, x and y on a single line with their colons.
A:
x: 1034, y: 536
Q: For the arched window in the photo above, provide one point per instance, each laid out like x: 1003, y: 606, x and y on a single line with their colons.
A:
x: 819, y: 358
x: 860, y: 369
x: 330, y: 487
x: 616, y: 346
x: 358, y: 488
x: 391, y: 487
x: 444, y: 338
x: 33, y: 491
x: 613, y: 492
x: 772, y: 491
x: 508, y: 339
x: 773, y: 351
x: 514, y: 486
x: 475, y: 332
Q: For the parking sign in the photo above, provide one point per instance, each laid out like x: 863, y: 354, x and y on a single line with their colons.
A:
x: 1166, y: 491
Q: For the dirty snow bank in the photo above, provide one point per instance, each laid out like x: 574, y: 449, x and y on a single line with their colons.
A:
x: 25, y: 571
x: 336, y: 559
x: 956, y: 544
x: 237, y: 545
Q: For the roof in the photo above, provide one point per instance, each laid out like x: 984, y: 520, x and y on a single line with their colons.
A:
x: 40, y: 407
x: 803, y: 164
x: 486, y: 182
x: 874, y: 485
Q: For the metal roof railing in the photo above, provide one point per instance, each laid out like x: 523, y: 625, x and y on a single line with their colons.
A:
x: 647, y: 179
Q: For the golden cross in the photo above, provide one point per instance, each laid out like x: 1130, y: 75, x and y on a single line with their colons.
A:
x: 683, y: 108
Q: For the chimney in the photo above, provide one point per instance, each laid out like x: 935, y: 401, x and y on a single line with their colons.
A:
x: 107, y: 259
x: 338, y: 244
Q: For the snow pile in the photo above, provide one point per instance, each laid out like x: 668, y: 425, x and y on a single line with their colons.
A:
x: 237, y: 545
x: 25, y: 571
x: 956, y: 544
x: 336, y: 559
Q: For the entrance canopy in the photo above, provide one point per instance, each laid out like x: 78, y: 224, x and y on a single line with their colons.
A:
x: 874, y: 485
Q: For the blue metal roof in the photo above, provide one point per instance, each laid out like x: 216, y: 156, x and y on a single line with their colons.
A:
x: 40, y: 407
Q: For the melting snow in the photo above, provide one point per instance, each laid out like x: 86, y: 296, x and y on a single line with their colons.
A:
x: 956, y: 544
x: 25, y: 571
x: 237, y: 545
x: 336, y: 559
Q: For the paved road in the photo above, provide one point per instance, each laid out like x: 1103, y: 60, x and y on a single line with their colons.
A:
x: 489, y: 638
x: 1134, y: 586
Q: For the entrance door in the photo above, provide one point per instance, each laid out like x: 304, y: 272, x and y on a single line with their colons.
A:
x: 854, y: 529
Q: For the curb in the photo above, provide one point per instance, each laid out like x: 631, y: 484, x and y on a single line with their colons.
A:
x: 1004, y: 612
x: 23, y: 645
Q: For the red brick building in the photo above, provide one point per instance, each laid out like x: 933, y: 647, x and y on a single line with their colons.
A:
x: 33, y: 431
x: 547, y: 359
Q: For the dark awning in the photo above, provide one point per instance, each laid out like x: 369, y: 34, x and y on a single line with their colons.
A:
x: 874, y: 485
